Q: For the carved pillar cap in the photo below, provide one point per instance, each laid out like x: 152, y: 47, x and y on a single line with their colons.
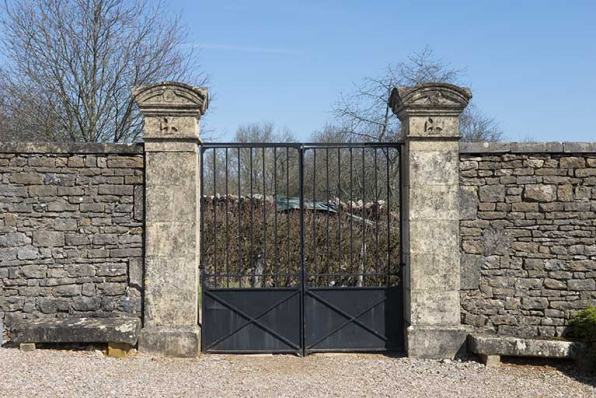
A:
x: 171, y: 99
x: 172, y: 110
x: 430, y: 99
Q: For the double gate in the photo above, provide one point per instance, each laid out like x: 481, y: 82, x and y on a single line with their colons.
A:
x: 300, y: 248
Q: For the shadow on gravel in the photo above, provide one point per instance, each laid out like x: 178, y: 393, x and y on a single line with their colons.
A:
x: 568, y: 367
x: 62, y: 346
x: 362, y: 354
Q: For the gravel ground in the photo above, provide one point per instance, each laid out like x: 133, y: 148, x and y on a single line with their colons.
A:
x: 51, y: 373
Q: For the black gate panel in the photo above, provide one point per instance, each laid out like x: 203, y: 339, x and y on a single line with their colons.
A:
x: 300, y: 248
x: 353, y: 319
x: 251, y: 320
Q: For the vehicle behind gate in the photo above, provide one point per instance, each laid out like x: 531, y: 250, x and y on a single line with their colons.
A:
x: 300, y: 248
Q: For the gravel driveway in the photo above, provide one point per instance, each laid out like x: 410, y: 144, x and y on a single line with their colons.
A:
x: 49, y: 373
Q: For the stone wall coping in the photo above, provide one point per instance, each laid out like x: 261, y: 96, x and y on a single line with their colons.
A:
x: 51, y: 148
x: 527, y: 147
x: 137, y: 148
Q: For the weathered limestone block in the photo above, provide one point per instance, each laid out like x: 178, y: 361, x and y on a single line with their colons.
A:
x: 42, y: 190
x: 534, y: 303
x: 181, y: 342
x: 27, y: 253
x: 492, y: 193
x: 468, y: 203
x: 470, y: 271
x: 582, y: 284
x: 27, y: 178
x: 53, y: 305
x: 135, y: 272
x: 34, y: 271
x: 125, y: 162
x: 496, y: 241
x: 585, y: 172
x: 565, y: 193
x: 540, y: 193
x: 86, y: 304
x: 525, y: 207
x: 48, y: 238
x: 432, y: 342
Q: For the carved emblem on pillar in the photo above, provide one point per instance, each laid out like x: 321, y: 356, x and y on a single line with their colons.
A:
x: 167, y: 126
x: 434, y: 126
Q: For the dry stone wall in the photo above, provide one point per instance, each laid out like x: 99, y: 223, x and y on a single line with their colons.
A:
x: 528, y: 236
x: 72, y: 225
x: 71, y: 230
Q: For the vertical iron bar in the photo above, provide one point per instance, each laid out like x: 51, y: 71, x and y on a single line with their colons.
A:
x: 289, y: 259
x: 351, y: 212
x: 276, y: 280
x: 314, y: 217
x: 339, y: 219
x: 202, y: 221
x: 227, y: 225
x: 264, y: 219
x: 364, y: 217
x: 240, y: 214
x: 215, y: 204
x: 388, y: 222
x: 252, y: 221
x: 302, y: 271
x: 328, y: 216
x: 377, y: 212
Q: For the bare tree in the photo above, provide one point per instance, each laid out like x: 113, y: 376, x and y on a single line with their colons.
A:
x: 70, y: 66
x: 332, y: 133
x: 259, y: 162
x: 252, y: 170
x: 474, y: 126
x: 263, y: 132
x: 364, y: 113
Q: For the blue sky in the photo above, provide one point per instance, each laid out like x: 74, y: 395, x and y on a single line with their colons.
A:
x: 530, y: 64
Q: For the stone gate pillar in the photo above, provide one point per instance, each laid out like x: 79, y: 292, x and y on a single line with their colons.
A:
x: 430, y: 125
x: 172, y: 112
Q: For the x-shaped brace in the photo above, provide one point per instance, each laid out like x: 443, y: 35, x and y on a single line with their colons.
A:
x: 349, y: 318
x: 252, y: 320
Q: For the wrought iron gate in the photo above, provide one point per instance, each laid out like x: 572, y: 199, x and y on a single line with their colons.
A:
x: 300, y: 248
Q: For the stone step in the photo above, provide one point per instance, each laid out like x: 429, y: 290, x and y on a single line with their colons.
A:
x: 77, y: 330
